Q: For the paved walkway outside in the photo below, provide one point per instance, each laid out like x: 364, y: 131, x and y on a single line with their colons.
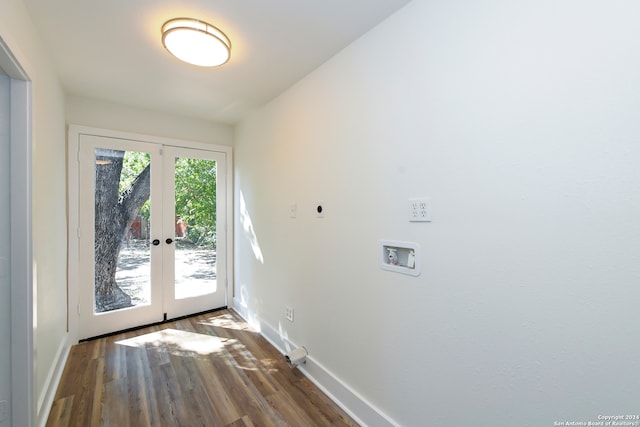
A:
x: 195, y: 271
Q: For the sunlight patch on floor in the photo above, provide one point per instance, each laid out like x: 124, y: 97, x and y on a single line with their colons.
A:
x: 226, y: 321
x: 182, y: 343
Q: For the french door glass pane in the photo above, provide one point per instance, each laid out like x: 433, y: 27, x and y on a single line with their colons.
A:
x: 122, y: 225
x: 195, y: 227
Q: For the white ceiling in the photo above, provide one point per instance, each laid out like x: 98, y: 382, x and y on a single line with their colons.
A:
x: 111, y: 49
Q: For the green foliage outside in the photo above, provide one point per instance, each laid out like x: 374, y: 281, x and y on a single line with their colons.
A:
x: 195, y: 186
x: 195, y: 194
x: 133, y: 164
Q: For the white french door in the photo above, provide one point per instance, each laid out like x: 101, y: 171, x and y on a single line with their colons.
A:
x: 194, y: 188
x: 150, y: 248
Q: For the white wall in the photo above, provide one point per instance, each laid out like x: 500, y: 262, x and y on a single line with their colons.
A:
x: 5, y: 246
x: 520, y: 120
x: 49, y: 196
x: 107, y: 115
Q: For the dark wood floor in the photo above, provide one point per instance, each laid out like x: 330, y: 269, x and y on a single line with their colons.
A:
x: 207, y: 370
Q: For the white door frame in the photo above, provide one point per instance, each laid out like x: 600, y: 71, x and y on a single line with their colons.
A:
x: 22, y: 302
x: 75, y: 131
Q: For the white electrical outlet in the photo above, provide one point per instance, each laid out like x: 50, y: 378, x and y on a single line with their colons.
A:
x: 419, y: 210
x: 288, y: 313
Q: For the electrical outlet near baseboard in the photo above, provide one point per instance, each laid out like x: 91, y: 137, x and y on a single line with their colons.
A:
x: 288, y: 313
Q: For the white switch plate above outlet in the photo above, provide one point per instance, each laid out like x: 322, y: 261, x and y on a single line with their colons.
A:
x: 419, y: 210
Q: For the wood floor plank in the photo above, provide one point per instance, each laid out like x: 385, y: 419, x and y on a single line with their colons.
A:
x: 116, y: 404
x: 200, y: 409
x: 207, y: 370
x: 241, y: 422
x: 141, y: 391
x: 97, y: 394
x: 164, y: 383
x: 115, y: 361
x: 319, y: 406
x: 243, y: 393
x: 84, y: 397
x: 216, y: 393
x: 71, y: 376
x: 61, y: 411
x: 294, y: 414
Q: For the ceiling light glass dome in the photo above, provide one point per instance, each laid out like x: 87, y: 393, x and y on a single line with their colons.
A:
x: 196, y: 42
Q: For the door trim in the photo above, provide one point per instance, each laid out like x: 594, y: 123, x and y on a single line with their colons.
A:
x: 75, y: 131
x: 23, y: 409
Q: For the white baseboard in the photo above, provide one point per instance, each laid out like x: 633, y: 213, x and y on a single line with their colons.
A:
x: 45, y: 400
x: 363, y: 412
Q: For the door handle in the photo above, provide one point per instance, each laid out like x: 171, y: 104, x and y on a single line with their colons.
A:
x: 156, y: 242
x: 169, y: 241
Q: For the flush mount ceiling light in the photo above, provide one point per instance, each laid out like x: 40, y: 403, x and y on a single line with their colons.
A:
x: 196, y: 42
